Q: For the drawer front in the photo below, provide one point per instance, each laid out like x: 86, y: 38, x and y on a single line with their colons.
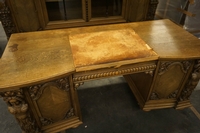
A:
x: 147, y: 67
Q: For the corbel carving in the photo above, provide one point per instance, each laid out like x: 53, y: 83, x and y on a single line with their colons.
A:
x: 191, y: 83
x: 6, y: 19
x: 19, y: 108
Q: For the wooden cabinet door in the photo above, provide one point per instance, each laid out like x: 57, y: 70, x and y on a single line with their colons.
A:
x: 170, y: 78
x: 54, y: 105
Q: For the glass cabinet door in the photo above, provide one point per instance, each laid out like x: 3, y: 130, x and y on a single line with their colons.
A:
x: 64, y: 9
x: 106, y: 8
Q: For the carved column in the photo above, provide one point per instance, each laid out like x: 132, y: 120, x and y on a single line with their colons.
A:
x: 152, y: 9
x: 18, y: 107
x: 6, y: 19
x: 191, y: 84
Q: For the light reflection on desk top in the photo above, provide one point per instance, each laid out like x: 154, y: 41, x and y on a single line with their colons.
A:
x: 34, y: 57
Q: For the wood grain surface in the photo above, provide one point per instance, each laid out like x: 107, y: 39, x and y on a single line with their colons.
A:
x: 34, y: 57
x: 37, y: 56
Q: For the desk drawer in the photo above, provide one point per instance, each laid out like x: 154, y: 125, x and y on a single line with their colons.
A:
x: 147, y: 67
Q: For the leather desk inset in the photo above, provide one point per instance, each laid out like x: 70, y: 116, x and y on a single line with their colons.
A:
x: 104, y: 47
x: 41, y: 71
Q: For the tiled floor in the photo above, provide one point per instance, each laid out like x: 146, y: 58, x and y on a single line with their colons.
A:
x: 108, y: 106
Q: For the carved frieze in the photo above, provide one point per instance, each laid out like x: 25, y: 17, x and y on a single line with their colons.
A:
x: 6, y: 19
x: 185, y: 65
x: 18, y: 107
x: 191, y: 83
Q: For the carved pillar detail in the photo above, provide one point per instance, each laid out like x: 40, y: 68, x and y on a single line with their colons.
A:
x: 6, y: 19
x: 152, y: 9
x: 18, y: 107
x: 191, y: 83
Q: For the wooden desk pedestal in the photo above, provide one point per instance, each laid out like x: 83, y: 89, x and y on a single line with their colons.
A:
x: 170, y: 86
x: 41, y: 71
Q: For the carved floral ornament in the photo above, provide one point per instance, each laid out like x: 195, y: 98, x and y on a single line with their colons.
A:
x: 185, y: 65
x: 18, y: 107
x: 37, y: 90
x: 192, y: 82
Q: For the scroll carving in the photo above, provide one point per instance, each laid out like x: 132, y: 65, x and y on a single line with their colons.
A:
x: 154, y: 96
x: 70, y: 113
x: 45, y: 121
x: 185, y: 65
x: 37, y: 90
x: 173, y: 94
x: 152, y: 9
x: 6, y: 19
x: 18, y: 107
x: 191, y: 83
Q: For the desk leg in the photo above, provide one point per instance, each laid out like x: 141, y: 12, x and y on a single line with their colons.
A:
x: 18, y: 106
x: 191, y: 84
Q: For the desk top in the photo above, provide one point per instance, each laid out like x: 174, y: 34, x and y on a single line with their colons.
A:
x: 33, y: 57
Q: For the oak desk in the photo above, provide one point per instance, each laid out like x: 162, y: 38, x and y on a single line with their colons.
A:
x: 41, y: 71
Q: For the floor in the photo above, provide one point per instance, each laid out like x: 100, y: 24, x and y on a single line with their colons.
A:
x: 108, y: 106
